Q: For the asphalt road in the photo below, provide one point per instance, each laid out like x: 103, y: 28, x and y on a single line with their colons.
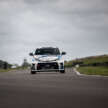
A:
x: 20, y: 89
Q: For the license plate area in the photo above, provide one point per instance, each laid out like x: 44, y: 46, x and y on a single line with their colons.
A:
x: 47, y: 66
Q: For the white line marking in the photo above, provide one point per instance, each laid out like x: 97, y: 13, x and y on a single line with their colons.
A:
x: 79, y: 74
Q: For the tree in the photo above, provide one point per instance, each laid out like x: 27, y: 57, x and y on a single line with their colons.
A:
x: 4, y: 65
x: 25, y: 63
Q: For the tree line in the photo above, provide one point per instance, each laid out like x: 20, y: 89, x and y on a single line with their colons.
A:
x: 4, y: 65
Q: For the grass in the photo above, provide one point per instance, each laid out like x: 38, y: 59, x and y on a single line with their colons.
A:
x: 7, y: 70
x: 88, y: 60
x: 99, y: 70
x: 95, y: 59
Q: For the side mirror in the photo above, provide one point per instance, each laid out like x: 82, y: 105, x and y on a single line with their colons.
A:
x: 30, y: 54
x: 63, y: 53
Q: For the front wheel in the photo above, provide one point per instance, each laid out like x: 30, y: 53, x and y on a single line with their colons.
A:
x: 62, y: 71
x: 33, y: 72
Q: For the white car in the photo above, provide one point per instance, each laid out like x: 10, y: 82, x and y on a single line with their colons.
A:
x: 47, y: 59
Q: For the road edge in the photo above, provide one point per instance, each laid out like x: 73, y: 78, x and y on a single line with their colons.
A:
x: 79, y: 74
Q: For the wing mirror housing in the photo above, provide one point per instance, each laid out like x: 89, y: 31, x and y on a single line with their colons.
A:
x: 63, y: 53
x: 30, y: 54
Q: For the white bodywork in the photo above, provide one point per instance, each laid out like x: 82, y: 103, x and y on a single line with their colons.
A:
x: 47, y: 63
x: 47, y: 59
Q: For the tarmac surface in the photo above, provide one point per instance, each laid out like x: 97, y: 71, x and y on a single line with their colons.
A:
x: 20, y: 89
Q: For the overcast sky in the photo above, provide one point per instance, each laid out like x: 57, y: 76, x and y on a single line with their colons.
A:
x: 79, y: 27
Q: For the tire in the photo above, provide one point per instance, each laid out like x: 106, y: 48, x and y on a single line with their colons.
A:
x: 33, y: 72
x: 62, y: 71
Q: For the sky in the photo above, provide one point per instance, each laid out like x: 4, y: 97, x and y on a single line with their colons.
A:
x: 79, y: 27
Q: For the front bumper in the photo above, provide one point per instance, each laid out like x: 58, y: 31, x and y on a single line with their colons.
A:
x: 48, y: 70
x: 49, y: 66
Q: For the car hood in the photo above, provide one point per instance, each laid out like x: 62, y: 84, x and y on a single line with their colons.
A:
x: 49, y: 58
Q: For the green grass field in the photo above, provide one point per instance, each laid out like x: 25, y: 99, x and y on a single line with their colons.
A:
x: 88, y: 60
x: 5, y: 70
x: 99, y: 70
x: 95, y: 59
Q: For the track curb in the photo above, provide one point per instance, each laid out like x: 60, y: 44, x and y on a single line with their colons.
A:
x: 79, y: 74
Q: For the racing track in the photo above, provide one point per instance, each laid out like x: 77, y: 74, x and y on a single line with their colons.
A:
x: 20, y: 89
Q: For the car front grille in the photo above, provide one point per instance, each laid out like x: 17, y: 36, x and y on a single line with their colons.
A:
x: 52, y: 65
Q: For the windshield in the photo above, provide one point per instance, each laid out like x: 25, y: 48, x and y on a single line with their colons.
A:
x: 47, y: 51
